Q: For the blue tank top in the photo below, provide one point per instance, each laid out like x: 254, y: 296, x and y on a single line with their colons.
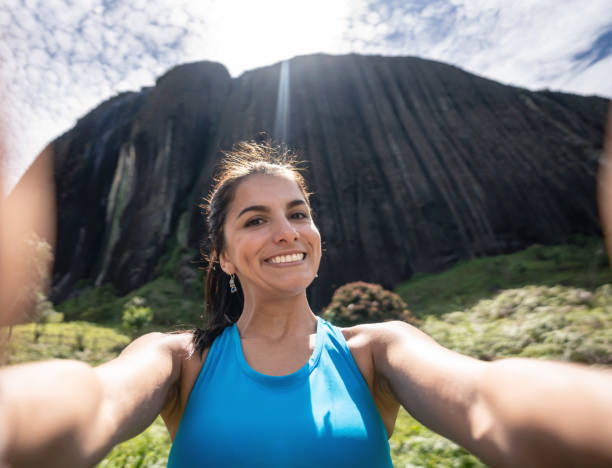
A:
x: 322, y: 415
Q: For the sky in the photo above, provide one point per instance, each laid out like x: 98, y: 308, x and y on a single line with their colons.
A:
x: 60, y: 58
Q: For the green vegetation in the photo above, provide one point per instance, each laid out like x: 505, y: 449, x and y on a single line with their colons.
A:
x: 544, y: 302
x: 171, y: 306
x: 148, y: 450
x: 93, y: 305
x: 136, y: 315
x: 175, y: 298
x: 557, y: 322
x: 414, y: 445
x: 85, y: 341
x: 581, y: 263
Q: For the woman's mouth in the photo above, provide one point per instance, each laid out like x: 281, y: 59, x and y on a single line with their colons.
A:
x: 280, y: 259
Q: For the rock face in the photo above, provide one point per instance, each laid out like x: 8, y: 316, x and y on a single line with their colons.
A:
x: 414, y: 164
x: 125, y: 174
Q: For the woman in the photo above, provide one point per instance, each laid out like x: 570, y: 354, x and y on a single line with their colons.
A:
x: 270, y: 384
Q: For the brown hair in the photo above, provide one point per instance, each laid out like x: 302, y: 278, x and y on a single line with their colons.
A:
x: 246, y: 158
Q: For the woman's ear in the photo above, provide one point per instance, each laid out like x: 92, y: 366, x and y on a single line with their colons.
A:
x: 226, y: 265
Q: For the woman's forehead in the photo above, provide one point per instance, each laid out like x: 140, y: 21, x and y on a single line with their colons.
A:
x: 266, y: 189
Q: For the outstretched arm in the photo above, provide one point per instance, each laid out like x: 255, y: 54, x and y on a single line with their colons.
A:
x: 512, y: 412
x: 66, y: 413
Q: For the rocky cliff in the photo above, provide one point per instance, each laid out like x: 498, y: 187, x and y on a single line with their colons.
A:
x: 414, y: 164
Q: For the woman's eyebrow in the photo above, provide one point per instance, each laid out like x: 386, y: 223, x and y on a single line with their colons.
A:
x: 253, y: 208
x: 265, y: 209
x: 294, y: 203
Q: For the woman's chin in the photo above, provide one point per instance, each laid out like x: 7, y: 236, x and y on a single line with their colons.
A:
x: 291, y: 289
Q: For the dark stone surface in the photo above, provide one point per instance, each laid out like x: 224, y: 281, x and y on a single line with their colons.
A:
x: 125, y: 173
x: 415, y: 165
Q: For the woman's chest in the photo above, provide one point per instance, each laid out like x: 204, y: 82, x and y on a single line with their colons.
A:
x: 317, y: 418
x: 360, y: 353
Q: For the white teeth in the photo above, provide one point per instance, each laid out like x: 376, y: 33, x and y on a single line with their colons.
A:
x: 287, y: 258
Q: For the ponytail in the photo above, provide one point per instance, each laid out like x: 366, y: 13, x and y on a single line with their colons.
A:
x: 223, y: 308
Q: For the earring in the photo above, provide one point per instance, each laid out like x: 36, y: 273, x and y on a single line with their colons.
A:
x: 232, y: 284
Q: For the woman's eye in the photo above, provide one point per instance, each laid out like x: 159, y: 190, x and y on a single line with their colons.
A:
x: 254, y: 222
x: 299, y: 215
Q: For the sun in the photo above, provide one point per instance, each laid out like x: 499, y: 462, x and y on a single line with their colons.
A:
x: 247, y: 34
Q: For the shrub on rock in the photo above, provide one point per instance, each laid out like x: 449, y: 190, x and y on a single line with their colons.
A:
x: 362, y: 302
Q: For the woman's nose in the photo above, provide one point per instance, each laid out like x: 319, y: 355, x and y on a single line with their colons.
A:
x: 285, y: 232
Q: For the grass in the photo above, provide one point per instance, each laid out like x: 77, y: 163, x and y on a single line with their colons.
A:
x: 149, y: 449
x: 582, y: 263
x: 84, y: 341
x: 172, y: 307
x: 412, y: 444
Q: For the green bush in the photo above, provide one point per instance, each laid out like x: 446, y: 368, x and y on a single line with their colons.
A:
x: 43, y: 314
x: 172, y: 307
x: 556, y: 322
x: 147, y: 450
x: 166, y: 297
x: 362, y: 302
x: 99, y: 304
x: 136, y: 315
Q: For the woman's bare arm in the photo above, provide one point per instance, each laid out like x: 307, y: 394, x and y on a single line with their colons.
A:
x: 512, y: 412
x: 543, y: 413
x: 66, y: 413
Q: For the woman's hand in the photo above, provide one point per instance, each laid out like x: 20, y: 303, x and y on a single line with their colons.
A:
x: 48, y: 412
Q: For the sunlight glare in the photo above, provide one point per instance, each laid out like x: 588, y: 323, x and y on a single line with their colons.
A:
x: 244, y: 34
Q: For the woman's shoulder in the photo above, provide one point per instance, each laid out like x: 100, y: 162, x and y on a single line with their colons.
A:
x: 363, y: 339
x: 179, y: 346
x: 173, y: 342
x: 368, y: 334
x: 371, y: 340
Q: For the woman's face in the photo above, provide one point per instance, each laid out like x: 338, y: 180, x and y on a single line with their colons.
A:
x: 271, y: 241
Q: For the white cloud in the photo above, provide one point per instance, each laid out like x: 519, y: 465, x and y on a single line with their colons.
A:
x: 582, y: 82
x: 526, y: 43
x: 60, y: 58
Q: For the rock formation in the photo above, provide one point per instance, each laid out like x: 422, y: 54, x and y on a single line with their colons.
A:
x: 414, y: 164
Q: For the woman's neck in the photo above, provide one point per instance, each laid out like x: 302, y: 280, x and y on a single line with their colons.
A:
x: 276, y: 319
